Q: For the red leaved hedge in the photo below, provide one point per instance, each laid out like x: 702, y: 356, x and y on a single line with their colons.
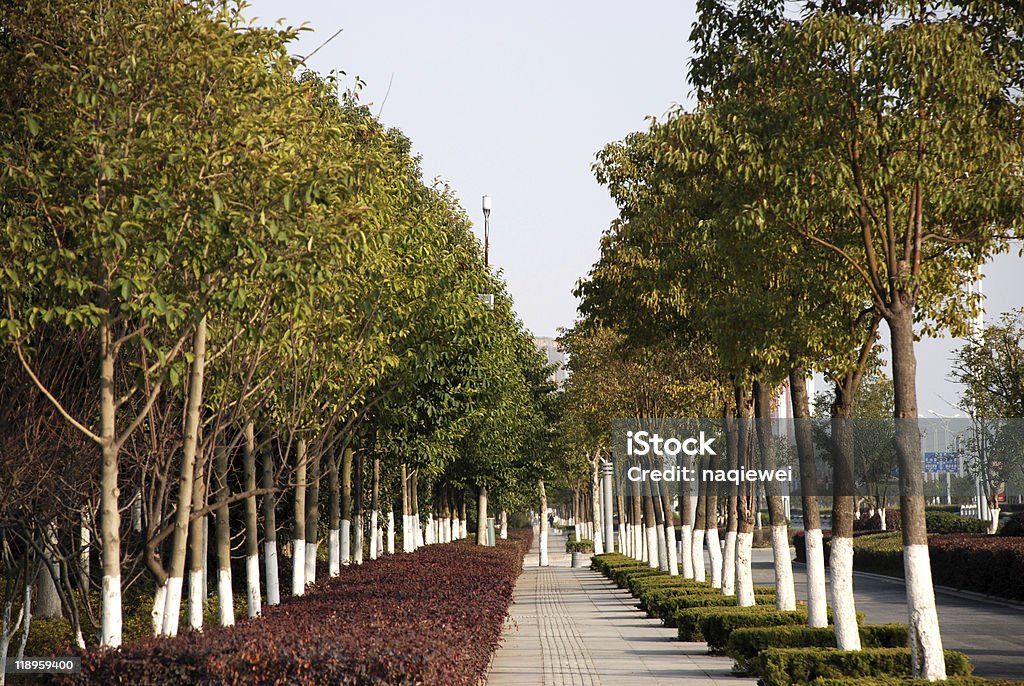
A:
x: 993, y: 565
x: 431, y: 617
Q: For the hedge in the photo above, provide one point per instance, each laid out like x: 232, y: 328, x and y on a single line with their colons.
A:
x: 430, y: 617
x: 690, y: 622
x: 790, y: 666
x: 654, y: 599
x: 991, y: 565
x: 950, y: 523
x: 744, y: 645
x: 716, y: 628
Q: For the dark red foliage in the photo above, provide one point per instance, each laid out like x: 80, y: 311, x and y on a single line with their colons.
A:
x: 993, y: 565
x: 431, y: 617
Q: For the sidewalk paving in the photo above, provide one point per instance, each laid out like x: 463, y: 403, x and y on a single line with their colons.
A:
x: 574, y: 627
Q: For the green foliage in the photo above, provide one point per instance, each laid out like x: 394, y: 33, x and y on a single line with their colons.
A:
x: 789, y: 666
x: 744, y: 645
x: 949, y: 523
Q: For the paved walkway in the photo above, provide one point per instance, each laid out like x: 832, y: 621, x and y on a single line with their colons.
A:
x: 574, y: 627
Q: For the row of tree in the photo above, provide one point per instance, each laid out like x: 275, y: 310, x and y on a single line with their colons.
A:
x: 846, y: 165
x: 227, y: 291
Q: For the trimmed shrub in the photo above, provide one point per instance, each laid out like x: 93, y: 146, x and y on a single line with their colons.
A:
x: 1014, y: 526
x: 745, y: 644
x: 949, y: 523
x: 690, y: 622
x: 717, y: 629
x: 789, y: 666
x: 430, y: 617
x: 584, y: 545
x: 993, y: 565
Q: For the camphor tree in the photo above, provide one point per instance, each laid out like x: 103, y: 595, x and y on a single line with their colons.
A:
x: 886, y: 110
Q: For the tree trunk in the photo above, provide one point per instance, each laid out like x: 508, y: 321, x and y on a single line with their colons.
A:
x: 650, y: 527
x: 639, y: 535
x: 225, y: 591
x: 299, y: 523
x: 346, y: 506
x: 197, y: 549
x: 333, y: 518
x: 312, y: 516
x: 595, y: 503
x: 841, y: 548
x: 47, y: 598
x: 252, y: 544
x: 357, y: 517
x: 927, y: 660
x: 543, y: 544
x: 375, y: 510
x: 463, y: 522
x: 408, y: 538
x: 711, y: 526
x: 503, y: 524
x: 414, y: 495
x: 84, y: 545
x: 183, y: 513
x: 625, y: 541
x: 732, y: 522
x: 816, y: 593
x: 699, y: 525
x: 391, y: 530
x: 110, y: 513
x: 269, y: 504
x: 686, y: 519
x: 481, y: 517
x: 744, y: 501
x: 785, y: 592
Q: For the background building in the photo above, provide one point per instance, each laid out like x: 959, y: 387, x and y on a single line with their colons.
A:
x: 549, y: 346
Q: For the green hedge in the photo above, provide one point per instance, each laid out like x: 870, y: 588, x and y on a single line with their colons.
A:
x: 653, y: 598
x: 690, y: 622
x: 623, y: 575
x: 790, y: 666
x: 668, y: 608
x: 716, y: 629
x: 950, y: 523
x: 744, y: 645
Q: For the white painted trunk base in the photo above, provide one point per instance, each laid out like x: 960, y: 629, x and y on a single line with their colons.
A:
x: 374, y: 535
x: 729, y: 564
x: 157, y: 613
x: 598, y: 542
x: 817, y: 610
x: 252, y: 585
x: 684, y: 551
x: 357, y: 539
x: 638, y: 542
x: 172, y: 605
x: 672, y: 550
x: 652, y: 547
x: 926, y: 656
x: 196, y: 596
x: 543, y: 547
x: 273, y: 578
x: 744, y: 574
x: 225, y: 598
x: 334, y: 552
x: 785, y: 592
x: 110, y: 632
x: 697, y: 555
x: 391, y: 532
x: 346, y: 541
x: 463, y: 529
x: 418, y: 531
x: 662, y: 548
x: 844, y: 609
x: 310, y: 562
x: 298, y: 566
x: 428, y: 535
x: 993, y: 522
x: 715, y: 553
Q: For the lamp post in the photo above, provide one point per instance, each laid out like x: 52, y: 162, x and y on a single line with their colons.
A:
x: 487, y: 229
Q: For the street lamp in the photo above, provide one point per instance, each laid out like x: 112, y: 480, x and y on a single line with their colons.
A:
x: 487, y: 228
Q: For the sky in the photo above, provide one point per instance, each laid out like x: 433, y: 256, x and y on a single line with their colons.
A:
x: 514, y: 100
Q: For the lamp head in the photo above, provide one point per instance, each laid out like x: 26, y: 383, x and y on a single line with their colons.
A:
x: 487, y: 205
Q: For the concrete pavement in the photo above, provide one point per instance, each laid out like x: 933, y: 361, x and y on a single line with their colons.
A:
x: 574, y: 627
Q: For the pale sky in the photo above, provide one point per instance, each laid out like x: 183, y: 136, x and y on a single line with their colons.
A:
x: 513, y: 100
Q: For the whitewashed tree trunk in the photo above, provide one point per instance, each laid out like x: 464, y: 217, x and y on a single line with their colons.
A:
x: 543, y: 544
x: 817, y: 611
x: 993, y: 523
x: 844, y: 612
x: 684, y: 551
x: 744, y: 575
x: 785, y: 593
x: 270, y: 533
x: 252, y: 545
x: 503, y: 531
x: 729, y: 564
x: 299, y: 530
x: 715, y: 555
x: 374, y: 534
x: 391, y: 532
x: 345, y: 533
x: 159, y: 602
x: 481, y: 517
x: 697, y: 555
x: 110, y: 513
x: 225, y: 592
